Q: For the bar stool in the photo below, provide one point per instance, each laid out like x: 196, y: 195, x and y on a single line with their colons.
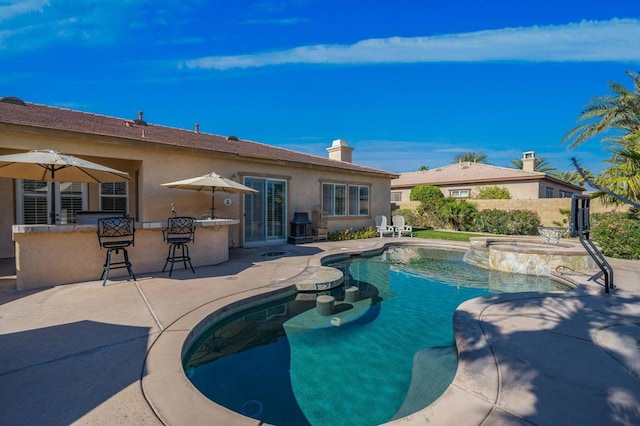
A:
x: 179, y: 232
x: 116, y: 233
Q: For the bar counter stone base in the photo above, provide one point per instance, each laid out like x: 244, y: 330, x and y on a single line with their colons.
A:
x: 48, y: 255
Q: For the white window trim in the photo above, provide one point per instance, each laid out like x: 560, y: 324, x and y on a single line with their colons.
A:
x: 358, y: 214
x: 125, y: 196
x: 347, y: 187
x: 19, y: 201
x: 452, y: 191
x: 346, y: 207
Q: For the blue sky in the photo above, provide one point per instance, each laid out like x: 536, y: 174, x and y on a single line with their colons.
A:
x: 407, y: 82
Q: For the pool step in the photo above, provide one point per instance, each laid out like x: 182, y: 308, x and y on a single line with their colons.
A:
x: 478, y: 255
x: 324, y: 278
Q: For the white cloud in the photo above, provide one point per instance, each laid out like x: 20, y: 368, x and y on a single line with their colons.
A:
x: 613, y: 40
x: 20, y: 7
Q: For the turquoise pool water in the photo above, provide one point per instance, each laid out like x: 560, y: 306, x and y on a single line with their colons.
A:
x: 386, y: 355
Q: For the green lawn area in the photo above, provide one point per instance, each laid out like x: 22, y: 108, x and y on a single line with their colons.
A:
x: 433, y: 234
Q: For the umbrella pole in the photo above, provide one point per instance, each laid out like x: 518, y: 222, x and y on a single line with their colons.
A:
x: 52, y: 194
x: 52, y: 213
x: 213, y: 192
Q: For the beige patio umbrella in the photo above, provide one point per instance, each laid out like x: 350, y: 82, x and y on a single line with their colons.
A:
x: 211, y: 182
x: 52, y: 166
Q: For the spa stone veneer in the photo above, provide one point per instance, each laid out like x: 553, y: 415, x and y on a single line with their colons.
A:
x: 530, y: 256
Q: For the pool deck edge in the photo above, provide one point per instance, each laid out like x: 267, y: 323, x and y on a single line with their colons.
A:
x: 113, y: 353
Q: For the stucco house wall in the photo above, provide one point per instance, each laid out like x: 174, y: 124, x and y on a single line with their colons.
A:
x: 154, y: 155
x: 518, y: 190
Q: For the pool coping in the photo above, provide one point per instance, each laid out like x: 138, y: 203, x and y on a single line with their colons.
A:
x: 176, y: 401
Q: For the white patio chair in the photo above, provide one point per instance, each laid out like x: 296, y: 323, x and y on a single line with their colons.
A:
x: 382, y: 227
x: 400, y: 227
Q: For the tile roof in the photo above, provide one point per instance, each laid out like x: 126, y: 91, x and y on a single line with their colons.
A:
x: 47, y: 117
x: 465, y: 173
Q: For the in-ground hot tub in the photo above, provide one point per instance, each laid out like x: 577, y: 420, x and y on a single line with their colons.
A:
x: 532, y: 256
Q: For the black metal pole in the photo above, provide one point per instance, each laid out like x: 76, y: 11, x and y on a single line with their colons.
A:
x: 52, y: 214
x: 213, y: 192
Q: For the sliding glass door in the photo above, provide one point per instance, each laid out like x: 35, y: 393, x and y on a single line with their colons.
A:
x: 265, y: 213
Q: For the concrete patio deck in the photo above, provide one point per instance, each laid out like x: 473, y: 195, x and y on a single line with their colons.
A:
x: 87, y: 354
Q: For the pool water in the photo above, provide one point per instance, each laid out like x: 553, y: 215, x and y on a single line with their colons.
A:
x: 382, y: 357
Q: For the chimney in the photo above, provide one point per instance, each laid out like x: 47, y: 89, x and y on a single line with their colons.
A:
x: 529, y: 161
x: 197, y: 128
x: 140, y: 121
x: 340, y: 150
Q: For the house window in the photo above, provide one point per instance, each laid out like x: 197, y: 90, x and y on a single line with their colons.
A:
x: 549, y: 192
x: 459, y: 193
x: 339, y: 199
x: 334, y: 199
x: 35, y: 201
x: 71, y: 201
x: 565, y: 194
x: 396, y: 196
x: 114, y: 196
x: 358, y: 200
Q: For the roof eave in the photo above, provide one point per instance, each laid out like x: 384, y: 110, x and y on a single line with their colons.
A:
x: 494, y: 181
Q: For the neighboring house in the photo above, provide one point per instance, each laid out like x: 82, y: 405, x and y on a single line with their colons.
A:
x: 288, y: 181
x: 463, y: 180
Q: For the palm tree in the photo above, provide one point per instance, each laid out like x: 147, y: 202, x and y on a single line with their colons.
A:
x: 607, y: 194
x: 616, y: 115
x: 540, y: 165
x: 623, y: 176
x: 471, y: 157
x: 570, y: 176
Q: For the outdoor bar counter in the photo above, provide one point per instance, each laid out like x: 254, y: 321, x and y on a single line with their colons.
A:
x: 48, y: 255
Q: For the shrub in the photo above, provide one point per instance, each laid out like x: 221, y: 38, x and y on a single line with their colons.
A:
x: 523, y: 222
x: 429, y: 212
x: 458, y: 214
x: 514, y: 222
x: 411, y: 218
x: 350, y: 234
x: 493, y: 193
x: 617, y: 234
x: 425, y: 193
x: 493, y: 221
x: 431, y: 215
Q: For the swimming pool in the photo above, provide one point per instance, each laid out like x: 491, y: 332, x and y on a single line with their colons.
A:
x: 385, y: 356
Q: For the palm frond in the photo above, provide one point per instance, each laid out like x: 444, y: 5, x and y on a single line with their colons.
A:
x: 618, y: 111
x: 602, y: 188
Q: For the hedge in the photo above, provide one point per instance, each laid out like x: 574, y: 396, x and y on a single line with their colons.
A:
x: 514, y: 222
x: 617, y: 235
